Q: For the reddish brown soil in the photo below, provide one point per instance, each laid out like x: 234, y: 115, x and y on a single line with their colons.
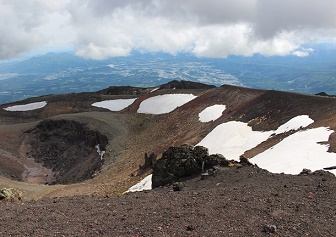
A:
x: 233, y: 202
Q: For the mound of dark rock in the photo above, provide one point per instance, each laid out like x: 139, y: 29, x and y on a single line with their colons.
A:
x: 185, y: 85
x: 183, y: 161
x: 123, y: 90
x: 67, y: 147
x: 325, y: 94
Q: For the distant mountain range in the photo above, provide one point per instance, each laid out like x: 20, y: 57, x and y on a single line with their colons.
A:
x: 59, y: 73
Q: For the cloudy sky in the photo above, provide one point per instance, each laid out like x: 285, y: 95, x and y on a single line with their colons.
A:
x: 99, y: 29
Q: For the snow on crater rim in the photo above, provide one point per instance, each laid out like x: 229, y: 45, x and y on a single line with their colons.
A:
x: 163, y: 104
x: 211, y: 113
x: 155, y: 89
x: 27, y: 107
x: 114, y: 105
x: 232, y: 139
x: 295, y: 124
x: 145, y: 184
x: 297, y: 151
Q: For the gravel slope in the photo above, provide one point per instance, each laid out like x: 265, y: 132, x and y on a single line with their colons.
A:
x: 243, y: 201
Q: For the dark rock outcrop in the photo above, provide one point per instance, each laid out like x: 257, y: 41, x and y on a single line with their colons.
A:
x: 68, y: 148
x: 305, y: 172
x: 183, y: 161
x: 149, y: 161
x: 123, y: 90
x: 324, y: 94
x: 185, y: 85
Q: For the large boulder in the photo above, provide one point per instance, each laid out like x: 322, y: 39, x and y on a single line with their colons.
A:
x: 183, y: 161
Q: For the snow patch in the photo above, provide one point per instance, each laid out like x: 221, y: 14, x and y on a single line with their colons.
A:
x: 232, y: 139
x: 211, y: 113
x: 99, y: 151
x: 295, y: 152
x: 114, y: 105
x: 162, y: 104
x: 145, y: 184
x: 295, y: 124
x: 298, y: 151
x: 155, y: 89
x: 27, y: 107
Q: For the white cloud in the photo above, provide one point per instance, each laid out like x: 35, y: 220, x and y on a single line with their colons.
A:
x: 27, y: 25
x: 100, y: 29
x: 303, y: 52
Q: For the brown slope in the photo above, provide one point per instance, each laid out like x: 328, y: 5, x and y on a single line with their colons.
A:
x: 131, y: 135
x: 234, y: 202
x: 273, y: 108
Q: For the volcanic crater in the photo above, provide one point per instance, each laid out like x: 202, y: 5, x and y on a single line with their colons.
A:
x: 71, y: 150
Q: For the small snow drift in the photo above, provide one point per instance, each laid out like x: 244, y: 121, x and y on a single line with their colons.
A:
x: 27, y: 107
x: 163, y: 104
x: 298, y: 151
x: 145, y: 184
x: 155, y: 89
x: 211, y: 113
x: 114, y: 105
x: 295, y: 124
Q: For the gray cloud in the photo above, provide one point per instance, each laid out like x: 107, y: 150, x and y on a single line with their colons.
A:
x: 287, y: 15
x: 100, y: 29
x: 17, y: 27
x: 204, y: 12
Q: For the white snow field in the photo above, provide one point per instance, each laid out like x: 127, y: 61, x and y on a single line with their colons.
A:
x: 114, y: 105
x: 145, y: 184
x: 27, y: 107
x: 297, y: 151
x: 211, y: 113
x: 232, y: 139
x: 163, y: 104
x: 295, y: 123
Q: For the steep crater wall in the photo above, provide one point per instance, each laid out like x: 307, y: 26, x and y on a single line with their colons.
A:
x: 68, y: 148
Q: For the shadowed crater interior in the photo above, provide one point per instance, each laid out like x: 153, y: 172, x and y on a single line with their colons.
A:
x: 68, y: 148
